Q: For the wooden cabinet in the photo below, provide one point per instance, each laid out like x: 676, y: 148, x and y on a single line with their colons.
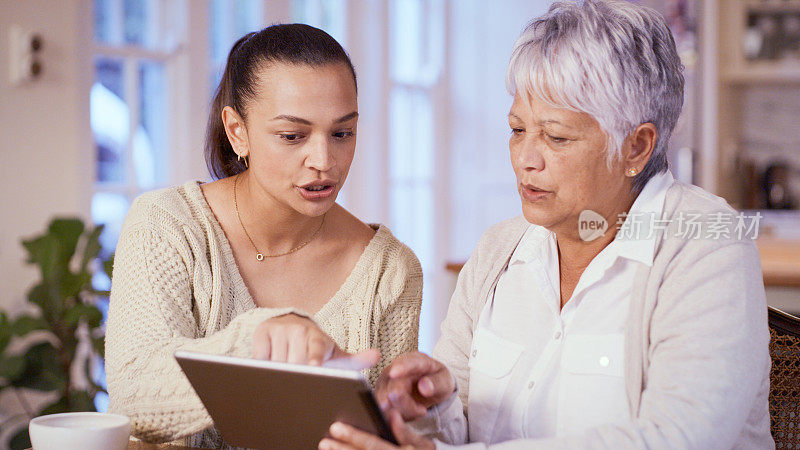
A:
x: 751, y: 65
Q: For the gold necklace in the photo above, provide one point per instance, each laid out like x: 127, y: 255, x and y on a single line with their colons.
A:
x: 260, y: 256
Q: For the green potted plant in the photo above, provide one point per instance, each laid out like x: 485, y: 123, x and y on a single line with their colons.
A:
x: 65, y: 256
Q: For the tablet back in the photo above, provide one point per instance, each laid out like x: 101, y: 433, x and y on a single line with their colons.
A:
x: 262, y: 404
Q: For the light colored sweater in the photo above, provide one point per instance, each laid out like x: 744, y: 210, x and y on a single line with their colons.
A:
x: 696, y: 342
x: 176, y: 286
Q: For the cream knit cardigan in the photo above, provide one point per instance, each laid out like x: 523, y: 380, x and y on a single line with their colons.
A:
x: 176, y: 286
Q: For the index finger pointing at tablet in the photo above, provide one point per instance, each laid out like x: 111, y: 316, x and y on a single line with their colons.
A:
x: 358, y: 361
x: 414, y: 364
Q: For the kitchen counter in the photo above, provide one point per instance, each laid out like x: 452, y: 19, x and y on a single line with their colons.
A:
x: 780, y: 262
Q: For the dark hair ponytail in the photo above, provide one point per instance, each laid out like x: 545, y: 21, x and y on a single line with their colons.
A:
x: 287, y: 43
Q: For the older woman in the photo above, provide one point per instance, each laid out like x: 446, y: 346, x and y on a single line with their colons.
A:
x: 600, y: 320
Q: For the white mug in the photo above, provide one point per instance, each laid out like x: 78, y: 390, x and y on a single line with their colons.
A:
x: 80, y: 431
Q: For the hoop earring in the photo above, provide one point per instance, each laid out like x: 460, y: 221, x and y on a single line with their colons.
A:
x: 239, y: 158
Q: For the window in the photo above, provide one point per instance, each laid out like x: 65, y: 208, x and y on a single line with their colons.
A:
x: 228, y: 21
x: 328, y: 15
x: 416, y: 50
x: 130, y: 103
x: 134, y: 50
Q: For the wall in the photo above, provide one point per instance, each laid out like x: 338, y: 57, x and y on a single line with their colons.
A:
x: 46, y: 144
x: 46, y: 141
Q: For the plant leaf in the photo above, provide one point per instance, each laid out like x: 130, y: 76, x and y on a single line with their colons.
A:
x: 81, y: 401
x: 39, y: 295
x: 90, y: 313
x: 11, y: 367
x: 72, y: 284
x: 46, y: 296
x: 108, y: 265
x: 43, y: 371
x: 21, y: 440
x: 43, y: 251
x: 25, y: 324
x: 92, y: 248
x: 67, y: 232
x: 59, y: 406
x: 5, y: 331
x: 99, y: 345
x: 45, y: 381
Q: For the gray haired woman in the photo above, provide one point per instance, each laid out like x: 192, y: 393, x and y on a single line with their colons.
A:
x: 626, y: 309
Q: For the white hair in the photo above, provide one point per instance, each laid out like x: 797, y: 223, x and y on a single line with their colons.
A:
x: 613, y: 60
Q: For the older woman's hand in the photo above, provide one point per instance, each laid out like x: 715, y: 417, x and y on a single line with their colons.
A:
x: 298, y: 340
x: 412, y: 383
x: 345, y: 437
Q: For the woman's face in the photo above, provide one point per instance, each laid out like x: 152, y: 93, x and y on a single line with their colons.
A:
x: 559, y: 159
x: 301, y: 134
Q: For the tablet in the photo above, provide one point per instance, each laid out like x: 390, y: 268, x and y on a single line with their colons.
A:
x: 264, y: 404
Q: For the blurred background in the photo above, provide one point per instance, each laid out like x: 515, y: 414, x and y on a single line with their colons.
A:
x: 101, y: 100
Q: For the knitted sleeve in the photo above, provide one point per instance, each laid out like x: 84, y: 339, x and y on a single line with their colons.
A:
x: 151, y: 315
x: 400, y: 292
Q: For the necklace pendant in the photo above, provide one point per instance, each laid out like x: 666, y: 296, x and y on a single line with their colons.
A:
x: 259, y: 256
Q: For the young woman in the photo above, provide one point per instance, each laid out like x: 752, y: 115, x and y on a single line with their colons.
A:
x: 261, y: 262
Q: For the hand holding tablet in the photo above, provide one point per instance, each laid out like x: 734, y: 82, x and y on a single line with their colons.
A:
x: 264, y: 404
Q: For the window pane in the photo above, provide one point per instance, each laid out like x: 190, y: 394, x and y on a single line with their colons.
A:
x: 107, y: 21
x: 110, y: 119
x: 101, y: 400
x: 150, y: 141
x: 172, y: 19
x: 328, y: 15
x: 249, y: 17
x: 219, y: 39
x: 139, y: 22
x: 152, y: 24
x: 412, y: 218
x: 406, y: 39
x: 109, y: 209
x: 229, y: 21
x: 411, y: 155
x: 416, y: 41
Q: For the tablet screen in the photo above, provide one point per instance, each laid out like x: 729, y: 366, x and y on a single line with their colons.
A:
x: 263, y: 404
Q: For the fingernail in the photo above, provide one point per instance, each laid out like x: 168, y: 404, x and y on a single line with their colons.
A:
x: 338, y: 429
x: 427, y: 385
x: 325, y: 445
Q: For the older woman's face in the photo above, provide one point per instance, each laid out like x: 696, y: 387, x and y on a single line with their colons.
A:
x: 559, y: 159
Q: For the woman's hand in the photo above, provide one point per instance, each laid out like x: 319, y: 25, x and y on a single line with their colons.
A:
x: 298, y: 340
x: 345, y: 437
x: 412, y: 383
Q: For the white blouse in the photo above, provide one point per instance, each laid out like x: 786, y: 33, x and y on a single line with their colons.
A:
x: 537, y: 370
